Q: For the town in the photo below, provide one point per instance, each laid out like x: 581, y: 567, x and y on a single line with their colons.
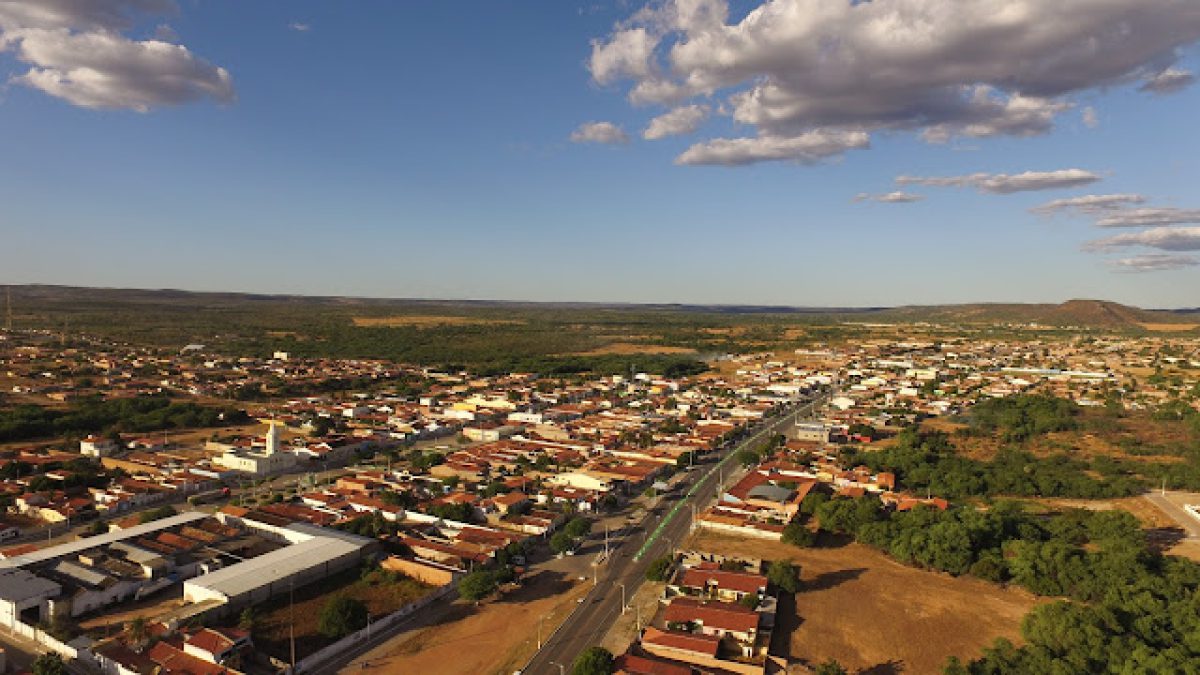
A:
x: 183, y: 511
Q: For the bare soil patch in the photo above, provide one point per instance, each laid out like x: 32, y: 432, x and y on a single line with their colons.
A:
x: 873, y: 614
x: 633, y: 348
x: 497, y: 637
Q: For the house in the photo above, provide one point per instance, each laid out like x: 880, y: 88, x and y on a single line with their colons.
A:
x: 719, y: 584
x: 216, y: 645
x: 732, y: 621
x: 96, y: 446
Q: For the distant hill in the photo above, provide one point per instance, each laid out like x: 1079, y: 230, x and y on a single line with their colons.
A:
x: 1081, y: 313
x: 47, y: 301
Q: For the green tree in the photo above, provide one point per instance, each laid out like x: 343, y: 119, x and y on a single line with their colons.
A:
x: 659, y: 569
x: 796, y: 534
x: 561, y: 542
x: 578, y: 527
x: 248, y: 619
x: 830, y: 667
x: 477, y: 585
x: 341, y: 616
x: 784, y: 575
x: 49, y: 663
x: 593, y: 661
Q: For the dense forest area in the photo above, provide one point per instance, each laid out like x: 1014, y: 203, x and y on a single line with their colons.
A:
x: 96, y: 415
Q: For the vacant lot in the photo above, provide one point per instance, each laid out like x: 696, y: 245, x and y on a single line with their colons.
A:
x: 381, y: 592
x: 873, y: 614
x: 497, y: 637
x: 428, y: 320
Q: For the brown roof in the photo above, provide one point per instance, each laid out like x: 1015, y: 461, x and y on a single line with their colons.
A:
x: 686, y: 642
x: 734, y: 581
x: 726, y: 616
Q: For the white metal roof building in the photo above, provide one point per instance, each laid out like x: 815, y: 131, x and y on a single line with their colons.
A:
x: 258, y: 579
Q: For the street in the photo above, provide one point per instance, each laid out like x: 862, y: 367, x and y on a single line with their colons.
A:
x: 626, y: 570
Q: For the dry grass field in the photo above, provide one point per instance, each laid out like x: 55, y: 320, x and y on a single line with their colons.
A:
x: 1169, y: 327
x: 428, y: 321
x: 875, y: 615
x: 496, y: 638
x: 633, y: 348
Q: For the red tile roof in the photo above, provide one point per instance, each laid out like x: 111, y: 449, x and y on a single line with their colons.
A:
x: 725, y: 616
x: 684, y: 642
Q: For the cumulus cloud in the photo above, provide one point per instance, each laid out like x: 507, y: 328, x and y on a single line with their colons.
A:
x: 897, y: 197
x: 1168, y: 81
x: 599, y: 132
x: 681, y: 120
x: 973, y: 68
x: 1091, y: 119
x: 1089, y: 204
x: 75, y: 51
x: 1161, y: 238
x: 1001, y: 183
x: 806, y: 148
x: 1154, y: 262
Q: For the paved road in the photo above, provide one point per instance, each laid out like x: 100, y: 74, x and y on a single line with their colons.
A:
x: 600, y: 608
x: 1185, y: 520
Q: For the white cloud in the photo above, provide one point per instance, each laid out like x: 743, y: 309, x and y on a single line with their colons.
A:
x: 1168, y: 81
x: 682, y: 120
x: 897, y: 197
x: 599, y: 132
x: 1000, y: 183
x: 299, y: 27
x: 1154, y: 262
x: 75, y: 52
x: 1091, y: 119
x: 1149, y: 216
x: 1089, y: 204
x: 113, y: 15
x: 807, y: 148
x: 1161, y: 238
x: 974, y: 68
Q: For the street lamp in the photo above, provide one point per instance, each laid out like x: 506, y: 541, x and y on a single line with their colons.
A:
x: 623, y: 607
x: 562, y: 670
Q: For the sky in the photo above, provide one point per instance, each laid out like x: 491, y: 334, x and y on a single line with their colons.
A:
x: 778, y: 152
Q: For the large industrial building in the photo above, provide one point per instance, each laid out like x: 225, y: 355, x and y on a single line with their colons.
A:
x: 224, y: 563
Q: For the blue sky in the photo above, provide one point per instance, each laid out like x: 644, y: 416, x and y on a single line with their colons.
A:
x: 425, y: 150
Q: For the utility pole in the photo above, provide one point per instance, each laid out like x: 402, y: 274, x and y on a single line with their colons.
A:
x: 292, y: 619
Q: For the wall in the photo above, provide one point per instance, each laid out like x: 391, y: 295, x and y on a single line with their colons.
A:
x: 314, y: 661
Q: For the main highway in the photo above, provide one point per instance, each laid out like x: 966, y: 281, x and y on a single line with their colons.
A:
x: 628, y: 561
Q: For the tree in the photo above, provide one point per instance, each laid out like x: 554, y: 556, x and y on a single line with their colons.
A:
x: 578, y: 527
x: 659, y: 569
x: 341, y: 616
x: 797, y: 534
x: 137, y: 629
x: 593, y: 661
x: 784, y: 575
x: 561, y: 542
x: 830, y: 667
x: 156, y: 514
x: 49, y: 663
x: 248, y: 619
x: 477, y: 585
